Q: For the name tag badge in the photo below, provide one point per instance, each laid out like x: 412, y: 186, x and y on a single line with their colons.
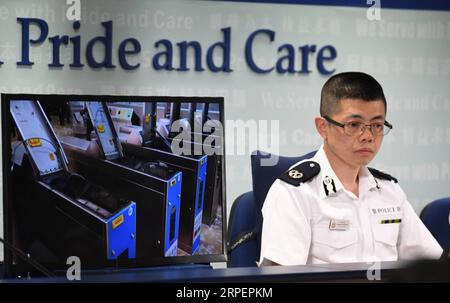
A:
x: 386, y: 211
x: 339, y: 224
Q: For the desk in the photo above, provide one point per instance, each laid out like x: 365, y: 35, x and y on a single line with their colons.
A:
x: 345, y: 272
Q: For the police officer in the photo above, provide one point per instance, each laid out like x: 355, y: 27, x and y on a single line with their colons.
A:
x: 333, y: 208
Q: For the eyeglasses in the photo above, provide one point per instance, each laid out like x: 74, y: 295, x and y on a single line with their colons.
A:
x: 353, y: 128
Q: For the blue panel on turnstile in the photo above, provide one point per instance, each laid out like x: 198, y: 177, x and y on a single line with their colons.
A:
x: 122, y: 233
x: 172, y: 221
x: 200, y: 197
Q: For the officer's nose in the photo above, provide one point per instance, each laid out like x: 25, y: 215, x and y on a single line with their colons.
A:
x: 367, y: 134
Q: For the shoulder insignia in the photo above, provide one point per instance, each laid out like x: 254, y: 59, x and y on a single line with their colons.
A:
x: 382, y: 175
x: 301, y: 173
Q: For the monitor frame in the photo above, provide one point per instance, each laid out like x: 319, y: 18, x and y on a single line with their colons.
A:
x: 8, y: 124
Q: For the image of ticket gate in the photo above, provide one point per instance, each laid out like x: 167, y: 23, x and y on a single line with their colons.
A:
x: 198, y: 142
x: 213, y: 183
x: 193, y: 189
x: 155, y: 188
x: 58, y: 214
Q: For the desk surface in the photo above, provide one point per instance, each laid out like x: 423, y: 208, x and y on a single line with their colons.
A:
x: 302, y: 273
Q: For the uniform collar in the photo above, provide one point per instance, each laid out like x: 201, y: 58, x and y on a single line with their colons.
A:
x: 366, y: 181
x: 330, y: 184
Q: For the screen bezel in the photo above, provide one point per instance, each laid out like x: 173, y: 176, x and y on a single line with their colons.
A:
x: 7, y: 123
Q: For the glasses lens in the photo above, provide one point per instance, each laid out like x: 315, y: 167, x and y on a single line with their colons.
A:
x: 352, y: 128
x: 377, y: 129
x: 357, y: 128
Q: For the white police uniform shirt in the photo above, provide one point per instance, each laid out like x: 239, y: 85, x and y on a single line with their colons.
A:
x: 321, y: 222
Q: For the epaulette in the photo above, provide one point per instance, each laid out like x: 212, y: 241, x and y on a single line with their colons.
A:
x: 301, y: 173
x: 382, y: 175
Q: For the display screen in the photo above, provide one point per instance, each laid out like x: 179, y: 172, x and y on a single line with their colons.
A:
x: 112, y: 182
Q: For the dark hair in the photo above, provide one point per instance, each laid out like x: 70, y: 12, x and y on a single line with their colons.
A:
x: 349, y: 85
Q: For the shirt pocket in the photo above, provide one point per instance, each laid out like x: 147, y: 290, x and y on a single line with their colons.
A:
x: 333, y: 246
x: 335, y: 238
x: 386, y: 234
x: 386, y: 237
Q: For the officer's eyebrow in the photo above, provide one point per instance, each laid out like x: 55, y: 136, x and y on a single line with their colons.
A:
x: 379, y: 117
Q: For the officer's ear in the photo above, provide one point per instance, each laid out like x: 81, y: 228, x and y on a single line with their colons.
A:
x: 322, y: 127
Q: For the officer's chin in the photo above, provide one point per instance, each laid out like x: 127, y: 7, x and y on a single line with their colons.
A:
x: 362, y: 161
